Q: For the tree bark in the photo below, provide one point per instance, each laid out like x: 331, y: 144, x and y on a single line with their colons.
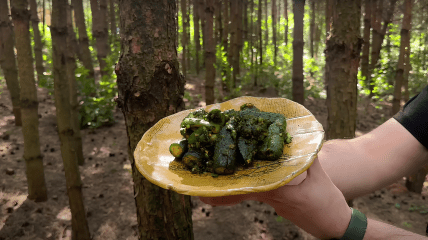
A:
x: 113, y: 27
x: 365, y: 71
x: 79, y: 19
x: 342, y: 61
x: 225, y: 43
x: 196, y: 34
x: 266, y: 24
x: 29, y: 104
x: 65, y: 131
x: 379, y: 35
x: 149, y: 89
x: 76, y: 140
x: 38, y: 46
x: 405, y: 37
x: 312, y: 30
x: 415, y: 182
x: 286, y: 21
x: 260, y: 52
x: 297, y: 78
x: 7, y: 60
x: 209, y: 53
x: 274, y: 18
x: 99, y: 32
x: 328, y: 12
x: 184, y: 37
x: 233, y: 38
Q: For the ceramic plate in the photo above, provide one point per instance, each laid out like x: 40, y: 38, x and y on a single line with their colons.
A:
x: 155, y: 162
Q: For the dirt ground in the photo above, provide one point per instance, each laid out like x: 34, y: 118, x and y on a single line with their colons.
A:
x: 108, y: 192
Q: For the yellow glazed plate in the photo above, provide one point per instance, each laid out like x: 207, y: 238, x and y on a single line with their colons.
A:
x: 155, y: 162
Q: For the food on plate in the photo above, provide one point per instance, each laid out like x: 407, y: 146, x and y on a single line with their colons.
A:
x: 219, y: 142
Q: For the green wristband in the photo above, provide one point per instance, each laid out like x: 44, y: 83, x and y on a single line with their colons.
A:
x: 357, y: 226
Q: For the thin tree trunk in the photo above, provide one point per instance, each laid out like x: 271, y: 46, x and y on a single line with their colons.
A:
x: 342, y: 61
x: 260, y: 52
x: 29, y: 104
x: 217, y: 11
x: 328, y: 12
x: 76, y: 140
x: 251, y: 43
x: 113, y: 27
x: 62, y: 103
x: 415, y: 182
x: 44, y: 16
x: 297, y: 79
x: 196, y: 34
x: 245, y: 26
x: 405, y: 36
x: 312, y: 30
x: 184, y: 37
x: 232, y: 42
x: 99, y: 32
x: 407, y: 68
x: 274, y: 18
x: 365, y: 71
x: 188, y: 36
x: 202, y: 18
x: 225, y: 43
x: 379, y: 35
x: 286, y: 21
x: 7, y: 60
x: 74, y: 44
x: 266, y: 24
x: 239, y: 30
x: 79, y: 19
x: 209, y: 53
x: 38, y: 46
x: 157, y: 93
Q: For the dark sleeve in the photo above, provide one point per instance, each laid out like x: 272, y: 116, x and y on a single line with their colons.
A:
x: 414, y: 116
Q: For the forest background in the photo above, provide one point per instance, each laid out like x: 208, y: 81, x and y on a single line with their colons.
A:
x: 226, y: 49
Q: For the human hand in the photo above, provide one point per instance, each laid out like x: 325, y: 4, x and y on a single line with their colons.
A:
x: 315, y: 205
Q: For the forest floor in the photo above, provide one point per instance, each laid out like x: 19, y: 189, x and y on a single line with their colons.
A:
x: 108, y: 191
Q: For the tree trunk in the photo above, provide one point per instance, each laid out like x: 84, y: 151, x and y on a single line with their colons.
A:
x: 225, y: 43
x: 188, y: 36
x: 196, y: 33
x: 405, y: 37
x: 113, y: 27
x: 184, y: 37
x: 74, y: 44
x: 233, y: 38
x: 38, y: 46
x: 79, y: 19
x: 342, y: 60
x: 365, y: 71
x: 76, y: 140
x: 260, y: 52
x: 298, y: 91
x: 286, y: 21
x: 328, y: 12
x: 379, y: 35
x: 202, y: 18
x: 29, y: 104
x: 62, y: 103
x: 312, y: 30
x: 209, y: 53
x: 274, y: 18
x: 245, y: 22
x: 7, y: 60
x: 99, y: 32
x: 407, y: 68
x: 151, y: 88
x: 251, y: 38
x: 415, y: 182
x: 266, y: 24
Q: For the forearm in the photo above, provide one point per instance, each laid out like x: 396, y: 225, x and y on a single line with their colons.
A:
x: 379, y: 231
x: 375, y: 160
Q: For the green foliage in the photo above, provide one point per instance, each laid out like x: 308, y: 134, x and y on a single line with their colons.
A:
x: 97, y: 101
